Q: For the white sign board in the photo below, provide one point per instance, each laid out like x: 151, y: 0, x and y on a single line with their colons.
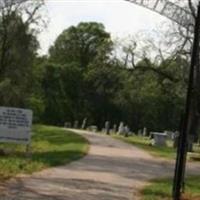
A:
x: 15, y: 125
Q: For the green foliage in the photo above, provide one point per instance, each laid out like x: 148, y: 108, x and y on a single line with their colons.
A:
x: 17, y: 52
x: 61, y: 88
x: 36, y: 104
x: 149, y: 95
x: 101, y: 85
x: 162, y: 189
x: 81, y: 78
x: 51, y: 146
x: 81, y: 44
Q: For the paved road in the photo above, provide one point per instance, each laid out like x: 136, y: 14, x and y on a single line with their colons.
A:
x: 112, y: 170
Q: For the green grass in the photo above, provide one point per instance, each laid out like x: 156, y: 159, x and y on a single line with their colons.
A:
x: 162, y: 189
x: 144, y: 143
x: 50, y: 146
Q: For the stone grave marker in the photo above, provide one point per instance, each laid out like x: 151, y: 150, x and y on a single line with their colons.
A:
x: 121, y: 128
x: 84, y: 123
x: 158, y: 139
x: 67, y: 125
x: 107, y: 127
x: 75, y: 124
x: 114, y: 130
x: 144, y: 131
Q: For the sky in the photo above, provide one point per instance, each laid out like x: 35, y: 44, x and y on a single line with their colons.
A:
x: 120, y: 18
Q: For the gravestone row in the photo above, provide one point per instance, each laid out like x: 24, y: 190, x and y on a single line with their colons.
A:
x: 156, y: 138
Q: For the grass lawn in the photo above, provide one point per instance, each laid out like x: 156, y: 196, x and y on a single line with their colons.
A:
x: 162, y: 189
x: 144, y: 143
x: 50, y: 146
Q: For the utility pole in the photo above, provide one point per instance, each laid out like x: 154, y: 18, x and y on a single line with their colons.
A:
x: 189, y: 115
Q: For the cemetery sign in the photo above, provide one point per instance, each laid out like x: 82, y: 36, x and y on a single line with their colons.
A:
x: 15, y: 125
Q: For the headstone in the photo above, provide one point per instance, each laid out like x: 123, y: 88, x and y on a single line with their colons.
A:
x: 84, y: 123
x: 121, y: 128
x: 158, y: 139
x: 140, y: 132
x: 103, y: 130
x: 107, y: 127
x: 114, y: 128
x: 76, y: 124
x: 170, y: 134
x: 92, y: 128
x: 126, y: 131
x: 144, y: 131
x: 67, y: 124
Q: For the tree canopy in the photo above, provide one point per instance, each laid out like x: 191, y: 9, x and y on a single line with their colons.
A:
x: 82, y: 78
x: 18, y: 49
x: 81, y: 44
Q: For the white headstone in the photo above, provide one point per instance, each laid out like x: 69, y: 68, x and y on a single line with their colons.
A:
x: 144, y: 131
x: 159, y: 139
x: 121, y: 128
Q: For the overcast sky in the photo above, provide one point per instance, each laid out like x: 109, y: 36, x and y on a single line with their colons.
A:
x: 120, y: 18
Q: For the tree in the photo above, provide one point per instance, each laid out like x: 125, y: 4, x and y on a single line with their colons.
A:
x: 102, y: 83
x: 18, y: 45
x: 81, y: 44
x: 61, y: 89
x: 81, y: 47
x: 155, y: 84
x: 17, y: 55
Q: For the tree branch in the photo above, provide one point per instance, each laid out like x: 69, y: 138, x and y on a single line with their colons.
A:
x: 192, y: 9
x: 157, y: 71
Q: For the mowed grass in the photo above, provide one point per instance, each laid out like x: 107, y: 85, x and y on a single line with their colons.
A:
x: 50, y: 146
x: 162, y: 189
x: 144, y: 143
